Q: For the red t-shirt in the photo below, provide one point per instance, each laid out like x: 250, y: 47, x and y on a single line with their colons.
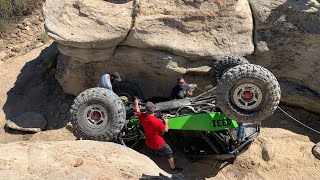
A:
x: 153, y: 128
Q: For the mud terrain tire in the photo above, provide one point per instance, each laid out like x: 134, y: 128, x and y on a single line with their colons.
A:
x: 222, y: 65
x: 97, y: 114
x: 248, y: 93
x: 128, y: 89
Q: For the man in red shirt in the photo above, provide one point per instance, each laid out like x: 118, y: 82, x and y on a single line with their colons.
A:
x: 153, y: 129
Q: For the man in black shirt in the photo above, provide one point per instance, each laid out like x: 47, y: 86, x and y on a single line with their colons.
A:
x: 181, y: 90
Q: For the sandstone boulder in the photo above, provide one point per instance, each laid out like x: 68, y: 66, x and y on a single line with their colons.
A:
x: 29, y: 121
x: 287, y: 37
x: 193, y: 29
x: 73, y: 160
x: 75, y: 77
x: 281, y: 35
x: 88, y: 23
x: 155, y: 72
x: 86, y: 55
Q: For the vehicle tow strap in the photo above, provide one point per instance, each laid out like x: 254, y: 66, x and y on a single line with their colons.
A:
x: 189, y: 107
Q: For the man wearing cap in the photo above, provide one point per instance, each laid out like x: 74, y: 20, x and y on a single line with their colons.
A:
x: 153, y: 129
x: 115, y: 78
x: 107, y: 81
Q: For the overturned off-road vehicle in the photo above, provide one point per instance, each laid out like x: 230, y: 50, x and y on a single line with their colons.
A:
x: 222, y: 121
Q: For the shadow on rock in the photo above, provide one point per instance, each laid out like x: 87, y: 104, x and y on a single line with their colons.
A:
x: 118, y: 1
x: 286, y: 44
x: 281, y: 120
x: 201, y: 168
x: 37, y: 90
x: 162, y: 177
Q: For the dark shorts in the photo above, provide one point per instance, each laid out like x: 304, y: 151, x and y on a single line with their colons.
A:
x: 165, y: 150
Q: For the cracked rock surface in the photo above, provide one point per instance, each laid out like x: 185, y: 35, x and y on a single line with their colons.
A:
x: 88, y: 23
x: 153, y: 42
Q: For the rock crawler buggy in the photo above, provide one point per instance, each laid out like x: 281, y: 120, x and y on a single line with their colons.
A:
x: 223, y: 121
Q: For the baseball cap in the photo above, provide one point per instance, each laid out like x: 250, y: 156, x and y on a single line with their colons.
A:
x: 116, y: 76
x: 150, y: 107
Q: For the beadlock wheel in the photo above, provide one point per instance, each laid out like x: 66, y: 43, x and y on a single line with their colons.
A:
x: 248, y: 93
x: 247, y: 96
x: 97, y: 114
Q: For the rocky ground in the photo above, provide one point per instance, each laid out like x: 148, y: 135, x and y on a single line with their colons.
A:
x: 290, y: 148
x: 73, y: 160
x: 23, y: 37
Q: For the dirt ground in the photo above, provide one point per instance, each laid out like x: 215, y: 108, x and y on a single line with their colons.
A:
x: 28, y: 84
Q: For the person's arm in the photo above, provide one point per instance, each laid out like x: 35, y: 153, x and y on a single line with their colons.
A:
x: 166, y: 129
x: 189, y: 90
x: 136, y: 106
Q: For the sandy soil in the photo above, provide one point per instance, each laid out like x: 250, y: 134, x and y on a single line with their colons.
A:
x: 292, y: 143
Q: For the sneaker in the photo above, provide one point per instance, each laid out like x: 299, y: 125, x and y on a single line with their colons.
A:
x: 177, y: 170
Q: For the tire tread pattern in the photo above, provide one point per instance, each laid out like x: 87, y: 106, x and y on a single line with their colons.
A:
x: 258, y: 73
x: 106, y: 97
x: 130, y: 88
x: 220, y: 65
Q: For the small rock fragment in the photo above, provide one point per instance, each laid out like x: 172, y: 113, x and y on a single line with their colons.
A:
x: 16, y: 49
x: 22, y: 27
x: 13, y: 35
x: 3, y: 55
x: 316, y: 150
x: 283, y: 122
x: 267, y: 150
x: 79, y: 162
x: 28, y: 28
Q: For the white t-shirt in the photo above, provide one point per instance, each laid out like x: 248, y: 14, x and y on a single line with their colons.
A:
x: 105, y: 82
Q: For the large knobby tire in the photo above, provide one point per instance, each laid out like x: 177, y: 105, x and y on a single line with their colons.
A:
x: 248, y: 93
x: 97, y: 114
x: 128, y: 89
x: 220, y: 66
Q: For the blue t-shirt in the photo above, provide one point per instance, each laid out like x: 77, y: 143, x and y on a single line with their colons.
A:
x: 105, y: 82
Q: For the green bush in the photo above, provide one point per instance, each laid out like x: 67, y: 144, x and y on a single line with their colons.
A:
x: 43, y: 37
x: 12, y: 11
x: 24, y: 7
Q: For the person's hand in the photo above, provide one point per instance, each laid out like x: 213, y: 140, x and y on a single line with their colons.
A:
x: 165, y: 120
x: 189, y: 94
x: 136, y: 101
x: 125, y: 99
x: 192, y: 87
